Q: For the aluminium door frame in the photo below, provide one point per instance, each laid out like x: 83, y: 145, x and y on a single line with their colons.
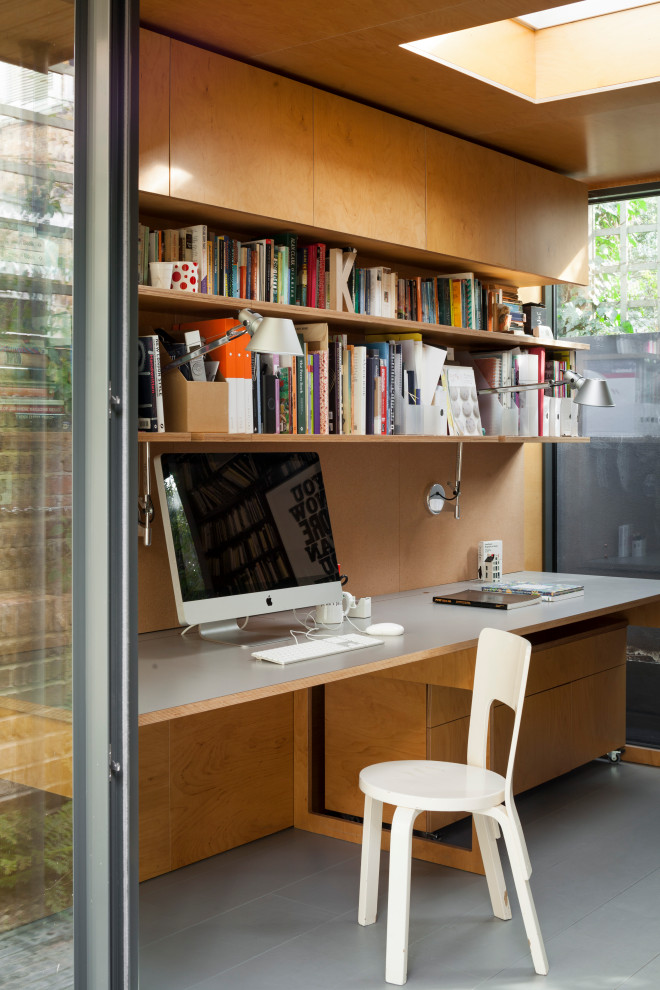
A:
x: 105, y: 493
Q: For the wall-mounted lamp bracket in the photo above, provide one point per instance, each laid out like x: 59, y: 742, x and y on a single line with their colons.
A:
x: 436, y: 498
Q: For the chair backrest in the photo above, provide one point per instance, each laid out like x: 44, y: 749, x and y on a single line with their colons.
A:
x: 500, y: 674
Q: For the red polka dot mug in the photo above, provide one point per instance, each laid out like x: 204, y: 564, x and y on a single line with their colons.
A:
x: 185, y: 276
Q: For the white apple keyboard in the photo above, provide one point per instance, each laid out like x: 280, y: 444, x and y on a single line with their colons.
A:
x: 309, y: 649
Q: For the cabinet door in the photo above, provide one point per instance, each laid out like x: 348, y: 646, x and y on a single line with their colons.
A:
x: 369, y: 172
x: 231, y: 777
x: 241, y: 138
x: 154, y: 153
x: 551, y: 224
x: 470, y: 205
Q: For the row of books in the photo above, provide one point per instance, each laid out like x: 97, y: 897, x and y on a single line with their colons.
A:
x: 283, y: 270
x: 385, y: 385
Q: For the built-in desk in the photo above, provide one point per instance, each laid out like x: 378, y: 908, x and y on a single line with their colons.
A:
x: 232, y: 748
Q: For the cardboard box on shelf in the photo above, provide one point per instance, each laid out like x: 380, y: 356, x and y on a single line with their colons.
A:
x: 193, y: 407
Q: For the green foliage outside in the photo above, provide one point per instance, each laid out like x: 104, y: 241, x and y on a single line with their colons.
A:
x: 596, y: 309
x: 36, y: 855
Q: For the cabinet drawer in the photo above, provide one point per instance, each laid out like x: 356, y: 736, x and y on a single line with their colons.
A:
x: 560, y: 661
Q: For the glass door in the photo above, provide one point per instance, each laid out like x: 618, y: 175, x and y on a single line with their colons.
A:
x: 66, y: 633
x: 36, y: 323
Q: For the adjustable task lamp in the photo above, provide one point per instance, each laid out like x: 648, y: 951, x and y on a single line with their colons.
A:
x: 589, y: 391
x: 270, y: 335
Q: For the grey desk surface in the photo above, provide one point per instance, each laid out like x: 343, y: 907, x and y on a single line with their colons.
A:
x: 179, y: 675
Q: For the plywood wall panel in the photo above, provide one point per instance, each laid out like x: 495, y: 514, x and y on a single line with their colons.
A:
x: 363, y: 496
x: 533, y: 457
x: 154, y: 146
x: 470, y: 201
x: 369, y: 172
x: 439, y: 549
x: 386, y: 539
x: 241, y: 137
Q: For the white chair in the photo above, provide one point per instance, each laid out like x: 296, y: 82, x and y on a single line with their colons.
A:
x: 414, y: 786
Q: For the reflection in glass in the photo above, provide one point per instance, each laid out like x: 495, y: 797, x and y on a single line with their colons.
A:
x: 36, y: 262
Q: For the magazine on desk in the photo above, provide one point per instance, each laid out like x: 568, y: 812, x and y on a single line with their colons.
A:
x: 549, y: 591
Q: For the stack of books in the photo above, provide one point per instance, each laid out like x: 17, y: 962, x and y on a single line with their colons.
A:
x: 549, y: 591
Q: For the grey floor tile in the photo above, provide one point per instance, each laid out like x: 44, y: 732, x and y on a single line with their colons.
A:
x: 187, y: 957
x: 577, y: 962
x: 338, y: 954
x: 593, y: 840
x: 196, y: 893
x: 633, y: 912
x: 646, y: 978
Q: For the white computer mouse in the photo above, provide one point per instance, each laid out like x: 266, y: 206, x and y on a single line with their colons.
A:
x: 384, y: 629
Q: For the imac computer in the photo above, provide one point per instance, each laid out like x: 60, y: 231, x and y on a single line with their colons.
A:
x: 247, y: 534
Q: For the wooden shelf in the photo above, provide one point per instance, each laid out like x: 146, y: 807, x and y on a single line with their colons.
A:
x: 169, y: 438
x: 310, y: 439
x: 183, y: 307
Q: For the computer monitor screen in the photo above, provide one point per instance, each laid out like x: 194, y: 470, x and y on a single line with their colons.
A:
x: 247, y: 534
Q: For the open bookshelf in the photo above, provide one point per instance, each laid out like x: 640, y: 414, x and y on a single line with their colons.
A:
x: 184, y: 307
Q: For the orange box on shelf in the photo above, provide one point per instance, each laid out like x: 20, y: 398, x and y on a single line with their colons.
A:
x: 193, y: 407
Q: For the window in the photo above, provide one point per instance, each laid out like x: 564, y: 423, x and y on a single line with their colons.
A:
x: 608, y: 495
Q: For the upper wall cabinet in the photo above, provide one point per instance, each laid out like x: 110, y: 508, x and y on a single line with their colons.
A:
x: 241, y: 138
x: 369, y: 172
x: 551, y: 224
x: 154, y: 155
x: 470, y: 201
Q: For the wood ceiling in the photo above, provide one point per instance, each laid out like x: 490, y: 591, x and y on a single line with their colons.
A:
x: 351, y: 47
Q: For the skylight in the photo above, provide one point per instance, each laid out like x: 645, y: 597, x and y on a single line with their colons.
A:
x: 578, y: 49
x: 570, y: 12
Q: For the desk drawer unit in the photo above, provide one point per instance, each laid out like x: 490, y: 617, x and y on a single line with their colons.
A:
x: 574, y: 712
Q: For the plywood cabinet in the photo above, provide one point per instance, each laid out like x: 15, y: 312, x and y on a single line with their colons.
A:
x: 220, y: 133
x: 209, y: 782
x: 369, y: 172
x: 241, y: 138
x: 551, y: 224
x: 470, y: 209
x: 154, y: 141
x: 369, y: 720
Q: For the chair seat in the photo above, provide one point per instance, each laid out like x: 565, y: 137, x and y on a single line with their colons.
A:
x: 430, y: 785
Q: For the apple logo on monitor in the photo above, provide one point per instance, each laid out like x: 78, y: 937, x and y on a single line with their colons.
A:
x: 269, y: 601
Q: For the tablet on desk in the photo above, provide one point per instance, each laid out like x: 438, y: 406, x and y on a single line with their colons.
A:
x: 486, y: 599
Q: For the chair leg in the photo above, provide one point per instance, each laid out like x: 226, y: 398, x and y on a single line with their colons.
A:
x: 486, y: 828
x: 370, y: 863
x: 512, y: 812
x: 398, y: 898
x: 512, y: 837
